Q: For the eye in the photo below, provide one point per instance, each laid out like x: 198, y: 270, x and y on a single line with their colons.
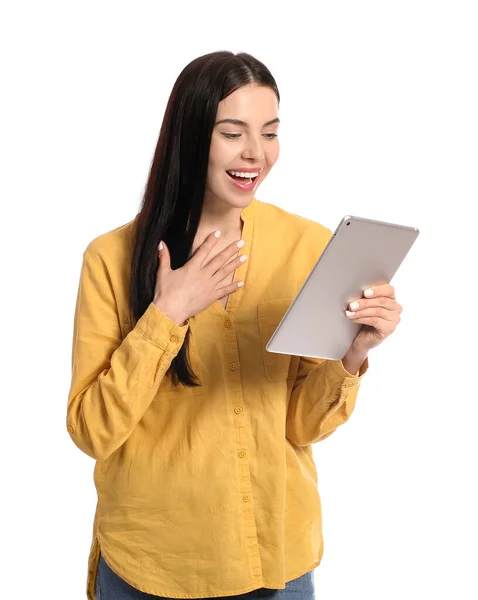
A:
x: 234, y: 136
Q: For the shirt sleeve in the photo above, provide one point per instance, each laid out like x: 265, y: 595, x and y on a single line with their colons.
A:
x: 322, y: 398
x: 113, y: 380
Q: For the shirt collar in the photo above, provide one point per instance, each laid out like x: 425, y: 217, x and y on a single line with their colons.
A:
x: 249, y: 210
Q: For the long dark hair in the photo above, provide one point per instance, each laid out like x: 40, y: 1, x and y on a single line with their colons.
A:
x: 173, y: 198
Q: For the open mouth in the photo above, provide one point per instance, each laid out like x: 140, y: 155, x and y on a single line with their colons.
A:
x: 243, y: 177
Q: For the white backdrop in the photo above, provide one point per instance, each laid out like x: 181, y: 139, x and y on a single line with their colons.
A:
x: 378, y: 119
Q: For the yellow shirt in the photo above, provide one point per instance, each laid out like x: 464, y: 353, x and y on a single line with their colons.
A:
x: 208, y: 491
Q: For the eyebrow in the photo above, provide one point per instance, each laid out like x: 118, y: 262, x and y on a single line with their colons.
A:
x: 244, y: 124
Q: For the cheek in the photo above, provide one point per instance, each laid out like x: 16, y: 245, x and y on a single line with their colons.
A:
x: 221, y: 154
x: 216, y: 168
x: 272, y: 155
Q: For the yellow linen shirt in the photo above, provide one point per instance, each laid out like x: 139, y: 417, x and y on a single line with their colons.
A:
x: 207, y: 491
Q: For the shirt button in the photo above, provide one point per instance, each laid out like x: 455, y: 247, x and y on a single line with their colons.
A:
x: 241, y: 454
x: 174, y: 338
x: 70, y: 429
x: 238, y: 409
x: 245, y: 498
x: 227, y: 323
x: 234, y: 366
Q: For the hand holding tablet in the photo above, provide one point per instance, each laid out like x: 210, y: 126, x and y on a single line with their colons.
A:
x: 378, y: 311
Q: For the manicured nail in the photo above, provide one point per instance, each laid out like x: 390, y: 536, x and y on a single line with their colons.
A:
x: 217, y: 233
x: 368, y: 293
x: 243, y: 258
x: 240, y: 244
x: 240, y: 283
x: 354, y: 305
x: 161, y: 245
x: 349, y: 314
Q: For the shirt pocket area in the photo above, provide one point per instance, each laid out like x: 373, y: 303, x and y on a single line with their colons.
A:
x: 277, y: 367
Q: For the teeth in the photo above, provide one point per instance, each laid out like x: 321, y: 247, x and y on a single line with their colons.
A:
x: 246, y: 175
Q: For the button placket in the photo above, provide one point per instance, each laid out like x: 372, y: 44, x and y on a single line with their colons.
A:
x: 240, y: 423
x: 240, y: 273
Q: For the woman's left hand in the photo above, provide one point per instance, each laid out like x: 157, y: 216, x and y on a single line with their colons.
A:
x: 379, y: 312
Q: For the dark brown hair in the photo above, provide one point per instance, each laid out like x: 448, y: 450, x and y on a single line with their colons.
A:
x: 173, y: 199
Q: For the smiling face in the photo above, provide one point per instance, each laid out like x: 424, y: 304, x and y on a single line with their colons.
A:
x: 244, y: 140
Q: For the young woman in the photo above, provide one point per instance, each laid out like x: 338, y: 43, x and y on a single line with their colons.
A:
x: 204, y: 471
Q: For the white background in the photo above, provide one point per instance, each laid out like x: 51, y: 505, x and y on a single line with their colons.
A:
x: 379, y: 119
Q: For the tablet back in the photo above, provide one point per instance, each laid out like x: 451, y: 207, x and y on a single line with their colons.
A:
x: 361, y: 253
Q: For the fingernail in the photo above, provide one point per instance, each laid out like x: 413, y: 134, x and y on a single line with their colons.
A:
x: 161, y: 245
x: 349, y: 314
x: 368, y: 293
x: 240, y: 244
x: 240, y: 283
x: 243, y: 258
x: 354, y: 305
x: 217, y: 233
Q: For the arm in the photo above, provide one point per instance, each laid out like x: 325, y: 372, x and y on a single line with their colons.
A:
x: 113, y: 380
x: 322, y: 398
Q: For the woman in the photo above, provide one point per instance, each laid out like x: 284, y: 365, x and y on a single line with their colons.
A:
x: 205, y: 475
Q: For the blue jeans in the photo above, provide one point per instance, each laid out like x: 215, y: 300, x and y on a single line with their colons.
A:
x: 110, y: 586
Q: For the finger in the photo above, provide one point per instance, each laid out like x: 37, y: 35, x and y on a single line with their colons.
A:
x: 164, y: 256
x: 362, y: 303
x: 228, y: 289
x: 380, y: 290
x: 220, y: 260
x: 228, y: 268
x: 376, y: 311
x: 204, y: 249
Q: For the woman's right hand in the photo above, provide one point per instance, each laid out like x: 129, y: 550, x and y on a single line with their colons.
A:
x: 184, y: 292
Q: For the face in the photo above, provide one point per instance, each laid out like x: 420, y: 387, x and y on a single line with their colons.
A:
x: 248, y: 145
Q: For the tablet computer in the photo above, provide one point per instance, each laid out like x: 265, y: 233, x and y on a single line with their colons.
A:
x: 361, y: 253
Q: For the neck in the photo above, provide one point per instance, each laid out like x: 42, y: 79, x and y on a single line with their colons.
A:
x: 220, y: 216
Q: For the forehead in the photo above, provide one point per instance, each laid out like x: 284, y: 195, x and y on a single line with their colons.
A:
x: 250, y: 103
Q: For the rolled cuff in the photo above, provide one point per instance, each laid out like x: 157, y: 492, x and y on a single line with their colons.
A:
x: 161, y: 330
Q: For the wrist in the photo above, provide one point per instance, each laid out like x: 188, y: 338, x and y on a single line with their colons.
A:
x: 171, y: 312
x: 354, y: 359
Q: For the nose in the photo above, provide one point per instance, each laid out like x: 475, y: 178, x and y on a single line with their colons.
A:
x: 253, y: 150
